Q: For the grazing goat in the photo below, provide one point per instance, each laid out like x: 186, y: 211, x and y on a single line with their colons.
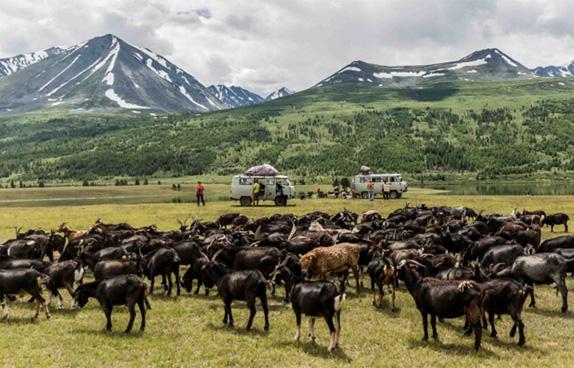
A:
x: 126, y: 290
x: 16, y: 282
x: 556, y: 219
x: 443, y: 299
x: 197, y: 272
x: 337, y: 258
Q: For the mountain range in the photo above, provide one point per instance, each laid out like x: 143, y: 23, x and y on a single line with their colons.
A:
x: 107, y: 74
x: 483, y: 65
x: 564, y: 71
x: 235, y: 96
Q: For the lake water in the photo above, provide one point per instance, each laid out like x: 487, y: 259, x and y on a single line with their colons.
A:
x: 505, y: 188
x: 189, y: 197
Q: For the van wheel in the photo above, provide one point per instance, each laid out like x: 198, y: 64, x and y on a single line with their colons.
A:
x: 364, y: 195
x: 245, y: 201
x: 280, y: 201
x: 394, y: 194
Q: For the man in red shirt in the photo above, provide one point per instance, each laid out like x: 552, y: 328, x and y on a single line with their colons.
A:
x: 199, y: 193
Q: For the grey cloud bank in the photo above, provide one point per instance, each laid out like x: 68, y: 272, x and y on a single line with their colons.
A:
x: 264, y: 45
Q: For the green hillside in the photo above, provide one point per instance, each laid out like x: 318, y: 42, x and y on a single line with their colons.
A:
x: 484, y: 130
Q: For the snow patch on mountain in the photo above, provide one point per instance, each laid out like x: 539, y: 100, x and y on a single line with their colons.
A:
x: 126, y: 105
x: 506, y: 59
x: 469, y: 63
x: 62, y: 72
x: 350, y: 69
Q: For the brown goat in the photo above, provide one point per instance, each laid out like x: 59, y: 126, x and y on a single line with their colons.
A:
x: 69, y: 233
x: 337, y: 258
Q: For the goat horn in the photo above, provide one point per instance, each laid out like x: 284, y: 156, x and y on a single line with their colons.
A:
x: 204, y: 255
x: 257, y: 233
x: 411, y: 261
x: 179, y: 221
x: 216, y: 254
x: 293, y: 231
x: 283, y: 263
x: 497, y: 267
x: 211, y: 244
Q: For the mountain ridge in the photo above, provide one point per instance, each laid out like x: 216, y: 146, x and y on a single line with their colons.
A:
x: 482, y: 65
x: 104, y: 74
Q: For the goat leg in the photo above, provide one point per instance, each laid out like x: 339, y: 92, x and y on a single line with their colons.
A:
x: 132, y: 310
x: 425, y: 326
x: 433, y: 325
x: 491, y: 320
x: 312, y: 329
x: 141, y: 303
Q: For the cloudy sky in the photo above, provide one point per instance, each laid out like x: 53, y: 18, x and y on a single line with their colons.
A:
x: 262, y: 45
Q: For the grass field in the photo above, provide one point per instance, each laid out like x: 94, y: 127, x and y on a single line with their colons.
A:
x: 187, y: 330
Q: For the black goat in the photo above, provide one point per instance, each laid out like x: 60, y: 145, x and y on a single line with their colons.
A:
x: 319, y: 299
x: 164, y: 262
x: 443, y: 299
x: 197, y: 272
x: 126, y: 290
x: 116, y: 267
x: 15, y: 282
x: 550, y: 245
x: 240, y: 285
x: 505, y: 296
x: 382, y: 272
x: 556, y: 219
x: 10, y: 263
x: 63, y: 275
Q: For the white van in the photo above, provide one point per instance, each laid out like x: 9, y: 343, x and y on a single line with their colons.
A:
x: 242, y: 189
x: 396, y: 183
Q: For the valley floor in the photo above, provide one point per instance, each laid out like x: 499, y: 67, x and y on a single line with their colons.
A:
x: 187, y: 330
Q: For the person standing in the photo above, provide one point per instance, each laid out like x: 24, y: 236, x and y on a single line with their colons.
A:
x: 199, y: 193
x: 386, y: 189
x: 256, y: 188
x: 371, y: 189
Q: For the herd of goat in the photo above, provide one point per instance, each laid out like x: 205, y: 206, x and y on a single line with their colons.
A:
x: 453, y: 261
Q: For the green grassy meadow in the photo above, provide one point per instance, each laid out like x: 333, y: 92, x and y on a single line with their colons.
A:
x: 187, y: 330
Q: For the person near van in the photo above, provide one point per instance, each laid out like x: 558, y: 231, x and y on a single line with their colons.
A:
x: 386, y: 189
x: 199, y: 193
x: 318, y: 193
x: 256, y: 188
x: 278, y: 189
x: 371, y: 189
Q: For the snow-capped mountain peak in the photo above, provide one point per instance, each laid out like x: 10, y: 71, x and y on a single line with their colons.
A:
x: 235, y: 96
x: 281, y: 92
x: 564, y: 71
x: 19, y: 62
x: 105, y: 73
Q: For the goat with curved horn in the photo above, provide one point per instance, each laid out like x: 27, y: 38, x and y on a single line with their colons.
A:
x: 293, y: 231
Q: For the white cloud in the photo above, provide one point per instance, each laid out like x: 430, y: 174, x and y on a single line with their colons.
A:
x: 266, y: 44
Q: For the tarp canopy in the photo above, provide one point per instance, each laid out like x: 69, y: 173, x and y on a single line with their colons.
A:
x: 262, y: 170
x: 365, y: 170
